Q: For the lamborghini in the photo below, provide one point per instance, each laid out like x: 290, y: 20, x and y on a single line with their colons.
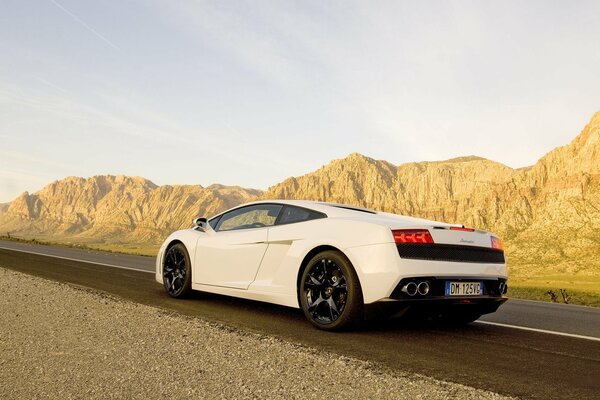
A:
x: 338, y: 263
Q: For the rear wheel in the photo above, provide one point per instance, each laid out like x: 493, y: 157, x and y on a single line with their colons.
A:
x: 177, y: 274
x: 330, y: 293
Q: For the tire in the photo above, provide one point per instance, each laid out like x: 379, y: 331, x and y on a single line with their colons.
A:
x: 177, y: 272
x: 330, y: 293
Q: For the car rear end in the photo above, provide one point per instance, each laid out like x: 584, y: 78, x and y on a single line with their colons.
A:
x: 449, y: 271
x: 441, y: 270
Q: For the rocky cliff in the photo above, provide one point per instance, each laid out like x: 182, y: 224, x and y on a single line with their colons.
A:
x: 115, y: 209
x: 548, y: 214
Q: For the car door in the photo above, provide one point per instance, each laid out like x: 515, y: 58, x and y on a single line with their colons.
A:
x: 292, y: 226
x: 231, y: 257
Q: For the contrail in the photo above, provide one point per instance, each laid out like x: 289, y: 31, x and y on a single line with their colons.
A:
x: 52, y: 85
x: 89, y: 28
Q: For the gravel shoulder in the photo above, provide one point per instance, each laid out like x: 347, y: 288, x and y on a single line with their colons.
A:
x: 63, y: 341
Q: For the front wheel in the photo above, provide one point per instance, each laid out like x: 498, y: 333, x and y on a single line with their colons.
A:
x: 330, y: 293
x: 177, y: 271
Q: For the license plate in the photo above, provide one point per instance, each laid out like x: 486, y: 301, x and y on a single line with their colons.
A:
x: 464, y: 288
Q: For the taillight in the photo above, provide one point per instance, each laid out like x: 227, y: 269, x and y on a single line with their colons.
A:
x: 412, y: 236
x: 458, y: 228
x: 496, y: 243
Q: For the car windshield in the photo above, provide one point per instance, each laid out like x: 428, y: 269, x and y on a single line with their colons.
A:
x: 256, y: 216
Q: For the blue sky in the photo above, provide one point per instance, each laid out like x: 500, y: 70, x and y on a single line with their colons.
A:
x: 249, y: 93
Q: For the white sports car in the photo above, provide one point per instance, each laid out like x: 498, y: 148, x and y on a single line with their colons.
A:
x: 338, y: 263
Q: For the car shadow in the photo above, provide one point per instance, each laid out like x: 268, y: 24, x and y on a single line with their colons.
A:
x: 231, y: 309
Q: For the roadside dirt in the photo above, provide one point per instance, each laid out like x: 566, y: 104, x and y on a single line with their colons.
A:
x: 62, y: 341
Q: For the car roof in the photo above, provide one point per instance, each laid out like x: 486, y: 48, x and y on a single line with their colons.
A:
x: 336, y: 210
x: 331, y: 209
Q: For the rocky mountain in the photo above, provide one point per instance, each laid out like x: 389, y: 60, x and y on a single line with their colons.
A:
x: 548, y: 214
x: 115, y: 209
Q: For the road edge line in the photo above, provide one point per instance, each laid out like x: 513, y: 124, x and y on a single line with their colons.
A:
x: 78, y: 260
x: 525, y: 328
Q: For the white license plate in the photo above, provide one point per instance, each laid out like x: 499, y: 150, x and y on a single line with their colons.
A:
x: 464, y: 288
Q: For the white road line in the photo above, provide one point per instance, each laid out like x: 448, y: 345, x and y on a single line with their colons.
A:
x: 524, y: 328
x: 77, y: 259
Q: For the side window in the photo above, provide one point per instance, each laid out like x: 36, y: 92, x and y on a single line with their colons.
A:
x: 291, y: 214
x: 213, y: 222
x: 257, y: 216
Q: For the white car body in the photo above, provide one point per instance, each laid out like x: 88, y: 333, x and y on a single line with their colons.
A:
x: 265, y: 263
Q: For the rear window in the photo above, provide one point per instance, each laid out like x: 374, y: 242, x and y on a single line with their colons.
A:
x: 292, y: 214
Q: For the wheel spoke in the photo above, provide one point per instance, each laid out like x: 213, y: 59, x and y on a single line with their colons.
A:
x: 314, y: 281
x: 313, y: 306
x: 333, y: 309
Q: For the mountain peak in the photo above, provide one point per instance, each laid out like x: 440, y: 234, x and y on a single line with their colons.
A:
x: 582, y: 155
x: 356, y: 155
x: 465, y: 159
x: 358, y: 159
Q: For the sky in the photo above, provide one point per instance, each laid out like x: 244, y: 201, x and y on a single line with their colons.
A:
x: 250, y: 93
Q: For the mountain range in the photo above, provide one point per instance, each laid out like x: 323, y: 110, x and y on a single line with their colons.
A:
x: 548, y: 214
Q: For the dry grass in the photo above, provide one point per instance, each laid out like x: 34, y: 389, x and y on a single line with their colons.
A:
x: 582, y: 289
x: 143, y: 250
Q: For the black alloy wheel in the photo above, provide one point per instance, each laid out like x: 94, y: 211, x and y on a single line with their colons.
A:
x: 330, y: 293
x: 177, y: 276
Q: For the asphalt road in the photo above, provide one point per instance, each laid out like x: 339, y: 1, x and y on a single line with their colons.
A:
x: 502, y: 359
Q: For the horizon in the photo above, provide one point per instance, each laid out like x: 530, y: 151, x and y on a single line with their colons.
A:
x: 249, y: 95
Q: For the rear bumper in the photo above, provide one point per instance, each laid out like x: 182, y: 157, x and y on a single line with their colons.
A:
x: 380, y: 269
x: 436, y: 302
x: 433, y: 306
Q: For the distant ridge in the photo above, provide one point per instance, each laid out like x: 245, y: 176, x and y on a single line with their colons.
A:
x: 118, y: 209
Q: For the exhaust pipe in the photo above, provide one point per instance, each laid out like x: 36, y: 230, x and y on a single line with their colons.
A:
x: 410, y: 289
x: 502, y: 288
x: 423, y: 288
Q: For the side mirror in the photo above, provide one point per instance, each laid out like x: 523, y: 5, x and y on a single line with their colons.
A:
x: 202, y: 224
